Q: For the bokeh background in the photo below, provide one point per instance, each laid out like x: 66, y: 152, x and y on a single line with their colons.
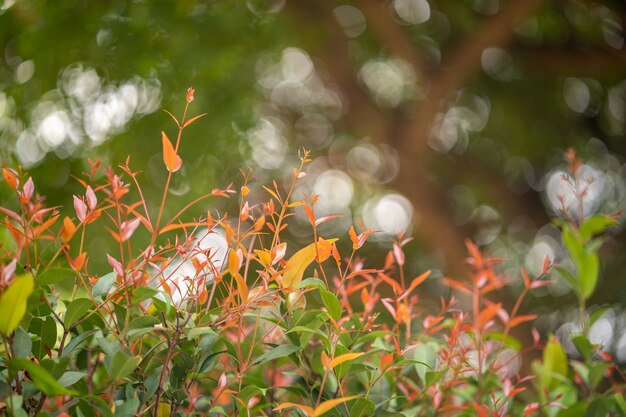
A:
x: 442, y: 119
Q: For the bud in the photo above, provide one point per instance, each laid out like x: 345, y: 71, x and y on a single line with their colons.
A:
x: 190, y: 93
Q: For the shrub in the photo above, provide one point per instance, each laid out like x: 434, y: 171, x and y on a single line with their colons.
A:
x: 219, y: 316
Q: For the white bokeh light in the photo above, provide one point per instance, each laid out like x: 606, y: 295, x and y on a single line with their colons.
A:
x: 391, y: 213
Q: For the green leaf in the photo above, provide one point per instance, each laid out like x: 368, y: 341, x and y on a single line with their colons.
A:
x: 22, y: 343
x: 597, y: 408
x: 596, y: 373
x: 250, y: 391
x: 47, y: 332
x: 71, y: 377
x: 571, y: 279
x: 199, y: 331
x: 362, y: 408
x: 595, y: 225
x: 104, y: 285
x: 278, y: 352
x: 586, y: 261
x: 76, y: 310
x: 13, y: 303
x: 554, y: 364
x: 598, y: 313
x: 311, y: 282
x: 14, y: 406
x: 55, y: 276
x: 331, y: 303
x: 509, y: 340
x: 73, y: 344
x: 40, y: 377
x: 588, y: 274
x: 583, y: 345
x: 122, y: 365
x: 143, y: 293
x: 433, y: 377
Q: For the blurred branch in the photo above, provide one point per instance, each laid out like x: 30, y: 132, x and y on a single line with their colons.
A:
x: 389, y: 32
x: 574, y: 63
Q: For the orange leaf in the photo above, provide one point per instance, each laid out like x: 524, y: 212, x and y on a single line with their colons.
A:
x: 242, y: 287
x: 193, y: 119
x: 10, y: 178
x: 308, y: 411
x: 171, y: 160
x: 386, y: 360
x: 344, y: 358
x: 487, y: 314
x: 68, y: 230
x: 516, y: 321
x: 417, y: 281
x: 330, y: 404
x: 297, y: 264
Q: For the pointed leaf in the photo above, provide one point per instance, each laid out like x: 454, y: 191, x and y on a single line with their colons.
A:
x: 13, y: 303
x: 40, y: 377
x: 344, y: 358
x: 330, y: 404
x: 297, y: 264
x: 170, y: 158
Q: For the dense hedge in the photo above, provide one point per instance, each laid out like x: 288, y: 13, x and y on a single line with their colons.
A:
x: 219, y: 316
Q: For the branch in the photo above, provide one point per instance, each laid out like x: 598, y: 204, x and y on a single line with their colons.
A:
x: 391, y: 34
x: 587, y: 62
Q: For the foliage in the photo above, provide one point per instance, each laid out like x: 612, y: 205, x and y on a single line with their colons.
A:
x: 259, y: 327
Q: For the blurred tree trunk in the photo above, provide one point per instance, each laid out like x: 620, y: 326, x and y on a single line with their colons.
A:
x: 410, y: 132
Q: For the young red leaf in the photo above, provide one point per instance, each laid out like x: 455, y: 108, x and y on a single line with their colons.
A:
x: 170, y: 158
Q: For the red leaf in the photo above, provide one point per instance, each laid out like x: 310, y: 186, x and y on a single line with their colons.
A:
x: 170, y: 158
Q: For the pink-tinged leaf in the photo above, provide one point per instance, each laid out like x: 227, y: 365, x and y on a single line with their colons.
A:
x: 398, y: 254
x: 27, y: 191
x: 222, y: 382
x: 10, y: 213
x: 325, y: 219
x: 128, y: 228
x: 81, y: 209
x: 526, y: 278
x: 92, y: 201
x: 116, y: 265
x: 389, y: 307
x: 531, y: 409
x: 170, y: 158
x: 9, y: 270
x: 547, y: 263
